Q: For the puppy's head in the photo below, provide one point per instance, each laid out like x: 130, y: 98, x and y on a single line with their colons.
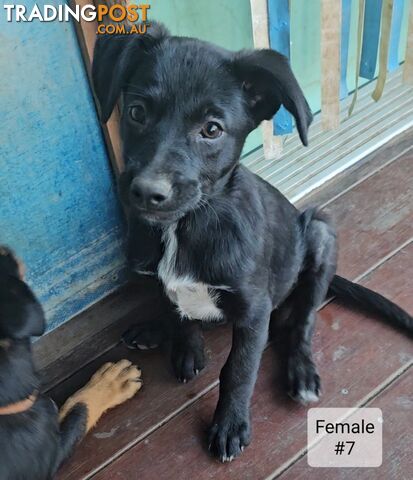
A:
x: 186, y: 108
x: 21, y: 315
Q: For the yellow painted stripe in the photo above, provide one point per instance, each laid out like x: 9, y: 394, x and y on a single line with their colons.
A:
x: 386, y: 15
x: 362, y: 5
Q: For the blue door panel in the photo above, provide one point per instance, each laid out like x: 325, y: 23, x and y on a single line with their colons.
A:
x: 58, y: 203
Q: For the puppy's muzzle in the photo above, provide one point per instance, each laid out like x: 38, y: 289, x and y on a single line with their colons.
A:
x: 150, y: 193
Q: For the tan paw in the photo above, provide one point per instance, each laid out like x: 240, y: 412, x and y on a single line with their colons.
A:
x: 120, y: 382
x: 111, y: 385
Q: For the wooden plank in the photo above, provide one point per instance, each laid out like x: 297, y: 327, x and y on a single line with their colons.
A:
x: 272, y: 145
x: 259, y: 14
x: 396, y: 404
x: 279, y: 33
x: 345, y: 347
x: 162, y: 397
x: 330, y: 63
x: 408, y: 62
x: 86, y: 32
x: 374, y: 217
x: 371, y: 35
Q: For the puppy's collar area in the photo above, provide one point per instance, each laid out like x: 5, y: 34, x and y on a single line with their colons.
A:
x: 19, y: 407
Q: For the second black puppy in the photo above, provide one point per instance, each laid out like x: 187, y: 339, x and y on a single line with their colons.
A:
x: 224, y: 242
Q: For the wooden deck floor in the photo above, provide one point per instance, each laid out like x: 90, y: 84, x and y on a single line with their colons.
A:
x: 160, y: 434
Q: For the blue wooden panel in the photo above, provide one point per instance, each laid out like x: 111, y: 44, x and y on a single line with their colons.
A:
x: 59, y: 207
x: 345, y: 40
x: 279, y: 32
x: 371, y: 35
x: 396, y: 26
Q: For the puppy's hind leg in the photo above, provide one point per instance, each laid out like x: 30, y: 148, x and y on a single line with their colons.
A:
x: 310, y: 292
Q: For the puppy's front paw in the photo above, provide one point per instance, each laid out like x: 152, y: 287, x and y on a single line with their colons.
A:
x: 229, y: 435
x: 304, y: 380
x: 188, y: 359
x: 111, y: 385
x: 144, y: 336
x: 118, y: 382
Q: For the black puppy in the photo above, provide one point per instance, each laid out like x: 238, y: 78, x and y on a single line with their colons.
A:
x: 33, y: 441
x: 224, y: 242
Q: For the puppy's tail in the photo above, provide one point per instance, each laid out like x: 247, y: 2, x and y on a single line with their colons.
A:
x: 373, y: 303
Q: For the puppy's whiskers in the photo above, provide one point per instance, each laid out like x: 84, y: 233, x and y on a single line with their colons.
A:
x: 204, y: 202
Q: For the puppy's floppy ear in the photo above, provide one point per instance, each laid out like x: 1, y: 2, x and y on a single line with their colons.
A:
x: 114, y: 59
x: 21, y: 315
x: 9, y: 265
x: 269, y: 82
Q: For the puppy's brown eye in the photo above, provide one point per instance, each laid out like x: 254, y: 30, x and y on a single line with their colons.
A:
x: 211, y: 130
x: 138, y: 114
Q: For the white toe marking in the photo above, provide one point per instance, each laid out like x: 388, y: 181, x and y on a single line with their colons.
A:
x: 307, y: 396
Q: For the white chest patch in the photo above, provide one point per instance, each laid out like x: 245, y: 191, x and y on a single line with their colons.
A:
x: 194, y: 300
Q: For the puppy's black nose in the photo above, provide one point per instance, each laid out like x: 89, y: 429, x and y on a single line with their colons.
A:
x: 149, y: 193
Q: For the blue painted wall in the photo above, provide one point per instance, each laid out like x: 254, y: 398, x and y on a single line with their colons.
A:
x: 58, y: 205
